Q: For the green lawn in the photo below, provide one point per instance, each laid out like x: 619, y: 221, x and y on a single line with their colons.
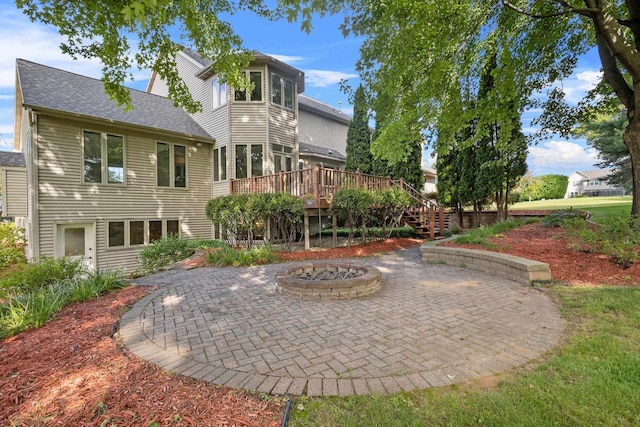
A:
x: 592, y: 379
x: 599, y: 207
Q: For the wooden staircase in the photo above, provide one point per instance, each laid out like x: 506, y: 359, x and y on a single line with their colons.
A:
x: 427, y: 218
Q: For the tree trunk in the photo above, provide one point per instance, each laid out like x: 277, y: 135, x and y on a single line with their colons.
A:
x: 631, y: 137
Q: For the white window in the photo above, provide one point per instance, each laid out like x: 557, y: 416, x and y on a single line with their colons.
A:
x: 103, y: 158
x: 138, y: 232
x: 255, y: 94
x: 219, y: 94
x: 281, y: 91
x: 220, y: 164
x: 171, y: 165
x: 282, y: 158
x: 248, y: 160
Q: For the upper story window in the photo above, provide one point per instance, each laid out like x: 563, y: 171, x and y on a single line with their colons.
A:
x: 103, y: 158
x: 219, y: 94
x: 171, y: 165
x: 220, y: 164
x: 594, y: 182
x: 255, y: 94
x: 248, y: 160
x: 281, y: 91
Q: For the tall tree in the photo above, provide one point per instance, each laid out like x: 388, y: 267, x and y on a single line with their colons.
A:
x: 604, y: 133
x: 437, y: 46
x: 359, y: 157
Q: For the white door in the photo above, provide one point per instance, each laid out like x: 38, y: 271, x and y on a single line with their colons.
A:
x: 77, y: 242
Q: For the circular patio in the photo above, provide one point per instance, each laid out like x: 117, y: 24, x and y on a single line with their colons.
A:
x: 429, y: 325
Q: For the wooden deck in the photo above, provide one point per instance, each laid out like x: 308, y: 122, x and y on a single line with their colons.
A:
x: 318, y: 185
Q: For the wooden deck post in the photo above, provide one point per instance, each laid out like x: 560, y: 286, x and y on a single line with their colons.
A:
x: 281, y: 182
x: 432, y: 223
x: 316, y: 184
x: 254, y: 185
x: 334, y: 224
x: 441, y: 214
x: 307, y: 242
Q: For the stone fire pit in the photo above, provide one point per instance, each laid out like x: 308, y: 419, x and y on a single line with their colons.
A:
x: 329, y: 281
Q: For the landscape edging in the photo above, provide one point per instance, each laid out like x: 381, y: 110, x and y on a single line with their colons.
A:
x: 512, y: 267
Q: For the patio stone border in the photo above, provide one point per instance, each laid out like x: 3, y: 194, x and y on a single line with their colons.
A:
x: 521, y: 270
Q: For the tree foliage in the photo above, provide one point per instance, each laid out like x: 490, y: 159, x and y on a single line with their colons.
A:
x: 547, y: 187
x: 131, y: 35
x: 604, y: 133
x: 359, y: 158
x: 417, y: 55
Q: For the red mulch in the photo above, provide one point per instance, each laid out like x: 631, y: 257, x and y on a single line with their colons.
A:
x: 549, y: 245
x: 72, y: 371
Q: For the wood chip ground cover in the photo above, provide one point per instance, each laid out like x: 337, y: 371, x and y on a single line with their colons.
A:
x: 73, y: 371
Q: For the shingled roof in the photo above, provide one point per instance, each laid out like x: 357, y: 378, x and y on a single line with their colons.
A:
x: 311, y: 149
x: 11, y: 159
x: 53, y: 89
x: 309, y: 104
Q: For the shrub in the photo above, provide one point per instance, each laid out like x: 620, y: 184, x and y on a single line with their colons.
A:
x: 558, y: 217
x: 45, y: 272
x: 479, y: 235
x: 390, y: 204
x: 617, y: 238
x: 35, y: 306
x: 355, y: 208
x: 236, y: 215
x: 233, y: 257
x: 165, y: 251
x: 11, y: 245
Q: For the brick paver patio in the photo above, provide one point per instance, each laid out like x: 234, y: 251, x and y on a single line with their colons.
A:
x: 430, y: 325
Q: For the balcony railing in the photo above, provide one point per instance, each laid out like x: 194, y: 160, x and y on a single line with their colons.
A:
x: 316, y: 184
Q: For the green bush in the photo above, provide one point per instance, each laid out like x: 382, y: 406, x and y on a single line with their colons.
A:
x: 617, y: 238
x: 355, y: 208
x: 33, y: 307
x: 45, y: 272
x: 11, y: 245
x: 479, y: 235
x: 165, y: 251
x: 233, y: 257
x: 389, y: 207
x: 558, y: 217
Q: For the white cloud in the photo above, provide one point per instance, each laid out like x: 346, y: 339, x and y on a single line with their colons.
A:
x: 288, y: 59
x: 324, y: 78
x: 560, y: 157
x: 578, y: 84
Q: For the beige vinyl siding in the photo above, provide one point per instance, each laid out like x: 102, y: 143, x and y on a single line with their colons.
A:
x: 323, y: 132
x: 159, y: 87
x: 64, y: 198
x: 14, y: 193
x: 248, y: 126
x: 282, y: 125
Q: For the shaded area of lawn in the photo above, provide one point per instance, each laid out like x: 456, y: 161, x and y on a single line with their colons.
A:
x: 593, y: 379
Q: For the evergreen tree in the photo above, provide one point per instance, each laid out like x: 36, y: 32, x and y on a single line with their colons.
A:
x: 359, y: 157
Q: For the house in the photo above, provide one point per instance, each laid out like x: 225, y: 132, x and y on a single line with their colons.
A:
x: 593, y: 183
x: 101, y: 182
x: 430, y: 179
x: 13, y: 171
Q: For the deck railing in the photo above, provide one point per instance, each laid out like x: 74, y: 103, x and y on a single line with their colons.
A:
x: 317, y: 182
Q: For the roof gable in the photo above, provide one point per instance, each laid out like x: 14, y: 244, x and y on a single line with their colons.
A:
x: 11, y: 159
x: 313, y: 105
x: 54, y: 89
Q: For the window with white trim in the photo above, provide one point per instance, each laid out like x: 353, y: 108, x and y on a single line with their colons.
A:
x: 255, y: 94
x: 248, y: 160
x: 220, y: 164
x: 171, y: 165
x: 103, y: 158
x: 219, y: 94
x: 139, y: 232
x: 281, y: 91
x: 282, y: 158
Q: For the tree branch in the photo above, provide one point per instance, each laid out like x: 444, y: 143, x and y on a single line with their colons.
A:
x: 612, y: 74
x: 568, y: 9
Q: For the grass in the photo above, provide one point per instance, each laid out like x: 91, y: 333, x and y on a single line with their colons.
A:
x: 592, y: 379
x: 479, y: 235
x: 600, y: 208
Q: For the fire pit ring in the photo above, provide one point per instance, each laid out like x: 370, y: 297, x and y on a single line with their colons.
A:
x: 329, y: 281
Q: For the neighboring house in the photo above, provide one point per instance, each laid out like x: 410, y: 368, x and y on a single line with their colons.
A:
x: 430, y: 179
x: 13, y: 175
x: 100, y: 183
x: 593, y: 183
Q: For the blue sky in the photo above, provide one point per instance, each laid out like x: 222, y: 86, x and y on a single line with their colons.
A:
x: 324, y: 55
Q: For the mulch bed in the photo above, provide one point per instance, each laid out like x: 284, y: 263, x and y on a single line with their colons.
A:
x: 73, y: 371
x: 549, y: 245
